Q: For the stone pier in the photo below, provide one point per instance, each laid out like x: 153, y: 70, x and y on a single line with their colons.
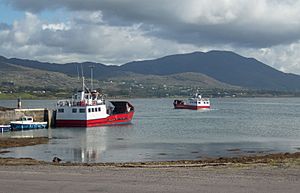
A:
x: 10, y: 114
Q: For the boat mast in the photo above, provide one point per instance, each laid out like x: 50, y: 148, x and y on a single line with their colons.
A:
x: 83, y: 89
x: 92, y: 67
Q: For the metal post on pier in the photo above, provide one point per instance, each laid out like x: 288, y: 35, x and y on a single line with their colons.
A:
x: 48, y: 116
x: 19, y: 105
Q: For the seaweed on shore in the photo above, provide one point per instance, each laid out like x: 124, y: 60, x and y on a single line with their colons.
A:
x: 20, y: 142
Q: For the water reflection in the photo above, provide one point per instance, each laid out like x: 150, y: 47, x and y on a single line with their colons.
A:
x: 88, y: 145
x: 93, y: 144
x: 26, y: 133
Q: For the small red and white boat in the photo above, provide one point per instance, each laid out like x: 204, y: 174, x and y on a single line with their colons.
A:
x: 196, y: 102
x: 90, y: 109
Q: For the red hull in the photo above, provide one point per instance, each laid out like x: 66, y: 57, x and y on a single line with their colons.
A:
x: 123, y: 118
x: 180, y: 106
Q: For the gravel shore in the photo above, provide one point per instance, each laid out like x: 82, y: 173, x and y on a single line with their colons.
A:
x: 54, y: 178
x: 263, y: 173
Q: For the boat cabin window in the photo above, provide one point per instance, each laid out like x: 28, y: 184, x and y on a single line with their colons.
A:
x: 99, y: 109
x: 93, y: 110
x: 96, y: 109
x: 60, y: 110
x: 89, y: 110
x: 81, y: 110
x: 74, y: 110
x: 88, y: 97
x: 26, y: 119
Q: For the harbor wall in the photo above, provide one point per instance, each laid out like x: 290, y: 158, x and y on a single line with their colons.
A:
x: 7, y: 115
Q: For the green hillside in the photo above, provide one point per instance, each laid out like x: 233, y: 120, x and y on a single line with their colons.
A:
x: 181, y: 79
x: 29, y: 77
x: 32, y: 83
x: 137, y: 85
x: 29, y: 83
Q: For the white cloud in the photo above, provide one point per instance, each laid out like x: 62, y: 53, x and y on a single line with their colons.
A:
x: 282, y: 57
x: 23, y: 30
x: 76, y: 41
x: 252, y: 23
x: 55, y: 26
x: 118, y: 31
x: 94, y: 17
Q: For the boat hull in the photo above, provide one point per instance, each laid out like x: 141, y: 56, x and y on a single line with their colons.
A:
x: 115, y: 119
x: 27, y: 126
x: 5, y: 128
x: 191, y: 107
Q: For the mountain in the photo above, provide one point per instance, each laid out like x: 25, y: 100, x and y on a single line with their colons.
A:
x: 33, y: 82
x: 72, y: 69
x: 27, y: 74
x: 22, y: 76
x: 186, y: 79
x: 222, y: 66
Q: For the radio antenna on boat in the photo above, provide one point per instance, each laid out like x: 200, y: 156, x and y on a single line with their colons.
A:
x: 83, y: 89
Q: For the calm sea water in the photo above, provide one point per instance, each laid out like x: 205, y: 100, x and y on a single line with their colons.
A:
x: 233, y: 127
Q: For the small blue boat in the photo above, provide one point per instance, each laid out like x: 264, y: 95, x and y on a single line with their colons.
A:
x: 5, y: 128
x: 27, y: 123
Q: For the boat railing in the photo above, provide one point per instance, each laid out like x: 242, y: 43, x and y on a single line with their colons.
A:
x: 205, y: 99
x: 71, y: 103
x: 64, y: 102
x: 198, y: 99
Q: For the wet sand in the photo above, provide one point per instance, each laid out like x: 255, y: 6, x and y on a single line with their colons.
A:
x: 264, y: 173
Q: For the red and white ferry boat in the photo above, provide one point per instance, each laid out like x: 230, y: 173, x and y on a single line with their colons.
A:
x: 196, y: 102
x: 90, y: 109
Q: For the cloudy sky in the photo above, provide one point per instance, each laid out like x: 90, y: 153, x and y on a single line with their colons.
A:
x: 118, y: 31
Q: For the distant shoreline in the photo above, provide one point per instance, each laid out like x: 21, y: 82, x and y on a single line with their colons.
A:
x: 147, y: 97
